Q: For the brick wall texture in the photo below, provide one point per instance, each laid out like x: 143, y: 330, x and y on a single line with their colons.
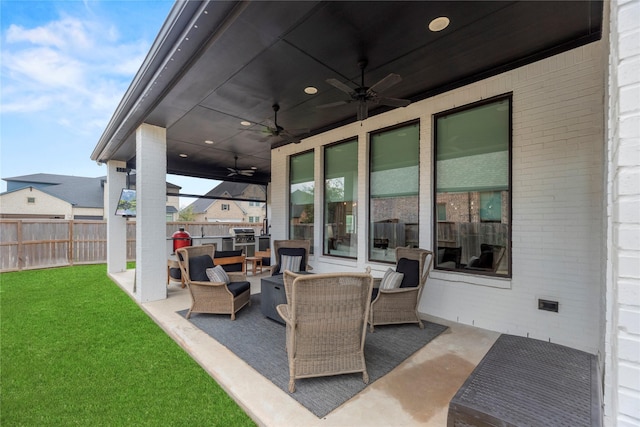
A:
x: 622, y: 373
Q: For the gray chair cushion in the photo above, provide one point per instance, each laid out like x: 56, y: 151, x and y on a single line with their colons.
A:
x: 410, y: 268
x: 301, y: 252
x: 237, y: 288
x: 198, y: 267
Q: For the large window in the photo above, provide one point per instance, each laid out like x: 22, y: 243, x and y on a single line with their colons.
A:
x: 473, y: 188
x: 301, y: 195
x: 393, y: 186
x: 341, y: 199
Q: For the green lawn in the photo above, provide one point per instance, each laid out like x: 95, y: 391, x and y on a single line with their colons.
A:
x: 76, y: 350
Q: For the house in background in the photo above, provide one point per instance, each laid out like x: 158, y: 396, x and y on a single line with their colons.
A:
x: 213, y: 207
x: 49, y: 196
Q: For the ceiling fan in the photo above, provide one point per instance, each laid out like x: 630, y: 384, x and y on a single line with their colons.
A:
x: 274, y: 130
x: 364, y: 95
x: 244, y: 172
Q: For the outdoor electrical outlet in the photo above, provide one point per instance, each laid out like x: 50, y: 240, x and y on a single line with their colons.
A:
x: 547, y: 305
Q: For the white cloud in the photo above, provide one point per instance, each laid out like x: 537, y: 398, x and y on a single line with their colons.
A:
x: 75, y: 69
x: 27, y: 105
x: 66, y: 33
x: 45, y: 68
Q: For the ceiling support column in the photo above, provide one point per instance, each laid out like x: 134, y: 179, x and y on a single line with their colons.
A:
x: 116, y: 225
x: 151, y: 222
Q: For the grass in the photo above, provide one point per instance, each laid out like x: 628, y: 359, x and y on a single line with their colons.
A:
x: 76, y: 350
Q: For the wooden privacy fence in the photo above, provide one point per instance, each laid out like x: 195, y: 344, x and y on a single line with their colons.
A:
x: 29, y: 244
x: 32, y: 243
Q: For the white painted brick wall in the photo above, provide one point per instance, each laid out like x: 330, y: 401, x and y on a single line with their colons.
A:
x: 558, y: 207
x: 558, y: 202
x: 622, y: 379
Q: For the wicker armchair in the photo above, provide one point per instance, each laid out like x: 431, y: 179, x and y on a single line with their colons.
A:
x: 400, y: 305
x: 326, y: 318
x: 211, y: 297
x: 291, y: 248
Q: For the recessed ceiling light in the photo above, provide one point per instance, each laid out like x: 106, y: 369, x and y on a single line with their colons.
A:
x: 208, y: 141
x: 245, y: 123
x: 439, y: 24
x: 183, y: 155
x: 310, y: 90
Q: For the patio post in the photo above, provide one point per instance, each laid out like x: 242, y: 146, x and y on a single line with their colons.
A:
x: 151, y: 222
x: 116, y: 225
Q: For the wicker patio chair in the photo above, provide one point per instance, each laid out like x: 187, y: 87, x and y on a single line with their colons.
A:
x: 207, y: 296
x: 400, y: 305
x: 326, y: 320
x: 291, y: 248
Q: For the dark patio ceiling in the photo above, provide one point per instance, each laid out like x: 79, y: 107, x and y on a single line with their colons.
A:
x: 215, y: 64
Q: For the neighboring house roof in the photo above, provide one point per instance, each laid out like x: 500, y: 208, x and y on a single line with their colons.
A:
x: 79, y: 191
x: 226, y: 190
x: 170, y: 186
x: 82, y: 192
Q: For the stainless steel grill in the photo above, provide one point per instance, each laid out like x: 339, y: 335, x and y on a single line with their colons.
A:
x: 245, y: 239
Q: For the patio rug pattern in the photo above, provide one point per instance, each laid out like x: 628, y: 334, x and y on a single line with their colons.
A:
x: 260, y: 342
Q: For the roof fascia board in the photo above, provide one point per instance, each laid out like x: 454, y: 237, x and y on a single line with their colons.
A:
x: 159, y: 72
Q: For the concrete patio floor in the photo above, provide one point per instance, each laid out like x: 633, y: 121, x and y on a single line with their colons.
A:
x: 417, y: 392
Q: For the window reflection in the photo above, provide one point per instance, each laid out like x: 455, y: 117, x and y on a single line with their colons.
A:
x: 472, y: 188
x: 341, y: 199
x: 301, y: 197
x: 394, y: 182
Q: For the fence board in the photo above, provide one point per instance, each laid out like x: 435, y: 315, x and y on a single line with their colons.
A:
x: 44, y: 243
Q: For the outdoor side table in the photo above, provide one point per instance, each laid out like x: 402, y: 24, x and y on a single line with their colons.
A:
x: 256, y: 263
x: 173, y: 271
x: 272, y: 294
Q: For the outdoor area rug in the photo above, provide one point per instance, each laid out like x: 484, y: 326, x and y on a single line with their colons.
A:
x: 260, y: 342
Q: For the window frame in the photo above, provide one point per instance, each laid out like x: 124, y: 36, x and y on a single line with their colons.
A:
x: 509, y: 251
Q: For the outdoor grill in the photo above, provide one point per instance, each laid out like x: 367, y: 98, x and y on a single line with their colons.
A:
x: 245, y: 239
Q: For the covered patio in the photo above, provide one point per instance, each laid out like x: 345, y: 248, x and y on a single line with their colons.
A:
x: 530, y: 206
x: 415, y: 393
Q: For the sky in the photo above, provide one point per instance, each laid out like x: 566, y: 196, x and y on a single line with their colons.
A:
x: 64, y: 67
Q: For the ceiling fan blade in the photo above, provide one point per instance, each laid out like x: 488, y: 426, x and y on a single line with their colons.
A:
x: 245, y: 173
x: 385, y: 83
x: 363, y: 110
x: 296, y: 132
x: 232, y: 174
x: 290, y: 138
x: 343, y: 87
x: 392, y: 102
x: 333, y: 104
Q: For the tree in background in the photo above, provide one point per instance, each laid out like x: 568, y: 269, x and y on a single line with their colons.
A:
x: 186, y: 214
